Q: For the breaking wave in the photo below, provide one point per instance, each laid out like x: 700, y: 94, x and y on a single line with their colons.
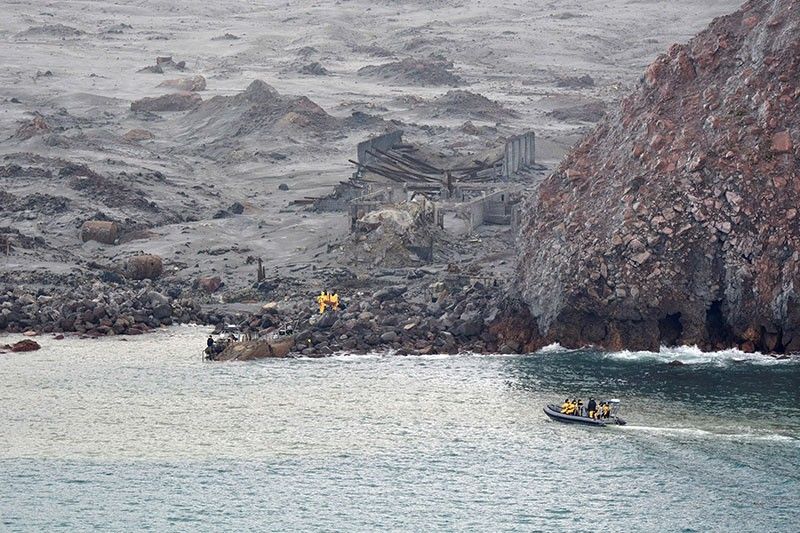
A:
x: 692, y: 355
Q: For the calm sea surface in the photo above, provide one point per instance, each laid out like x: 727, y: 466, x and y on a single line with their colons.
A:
x: 141, y: 434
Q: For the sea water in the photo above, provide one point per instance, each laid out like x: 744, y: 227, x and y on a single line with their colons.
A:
x: 139, y: 433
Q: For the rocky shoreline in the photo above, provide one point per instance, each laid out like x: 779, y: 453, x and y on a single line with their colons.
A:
x: 427, y: 314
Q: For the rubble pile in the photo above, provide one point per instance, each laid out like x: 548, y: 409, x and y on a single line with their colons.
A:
x: 31, y: 128
x: 45, y: 204
x: 676, y: 220
x: 430, y: 71
x: 181, y: 101
x: 164, y: 63
x: 56, y: 31
x: 109, y: 191
x: 396, y: 236
x: 468, y: 105
x: 259, y: 108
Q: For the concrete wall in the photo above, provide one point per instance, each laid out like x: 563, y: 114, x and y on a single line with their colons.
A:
x: 495, y: 208
x: 520, y: 152
x: 371, y: 202
x: 381, y: 142
x: 340, y: 200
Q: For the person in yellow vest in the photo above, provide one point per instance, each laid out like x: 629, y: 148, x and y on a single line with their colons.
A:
x: 606, y: 410
x: 565, y: 406
x: 322, y: 300
x: 335, y: 301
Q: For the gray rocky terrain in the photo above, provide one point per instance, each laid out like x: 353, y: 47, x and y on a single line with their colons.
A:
x: 194, y: 129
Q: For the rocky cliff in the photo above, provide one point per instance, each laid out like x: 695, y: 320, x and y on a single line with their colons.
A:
x: 676, y: 220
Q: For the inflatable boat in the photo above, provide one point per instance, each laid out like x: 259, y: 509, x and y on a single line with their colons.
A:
x: 554, y: 412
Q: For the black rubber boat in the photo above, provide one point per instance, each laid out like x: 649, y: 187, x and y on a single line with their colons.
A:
x: 554, y: 412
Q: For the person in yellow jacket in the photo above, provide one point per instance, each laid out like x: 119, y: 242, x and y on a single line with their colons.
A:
x: 565, y: 407
x: 571, y: 407
x: 322, y: 300
x: 334, y: 301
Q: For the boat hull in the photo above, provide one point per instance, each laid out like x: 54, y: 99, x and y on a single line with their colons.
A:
x: 555, y: 413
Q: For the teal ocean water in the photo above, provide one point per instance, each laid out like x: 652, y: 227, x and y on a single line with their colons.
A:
x: 140, y: 434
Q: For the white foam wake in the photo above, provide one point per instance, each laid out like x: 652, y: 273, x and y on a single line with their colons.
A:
x: 705, y: 433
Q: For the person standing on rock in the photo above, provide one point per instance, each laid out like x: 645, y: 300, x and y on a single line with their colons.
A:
x: 322, y: 300
x: 210, y: 348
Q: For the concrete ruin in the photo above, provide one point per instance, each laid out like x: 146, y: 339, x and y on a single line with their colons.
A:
x: 457, y: 198
x: 519, y: 154
x: 463, y: 199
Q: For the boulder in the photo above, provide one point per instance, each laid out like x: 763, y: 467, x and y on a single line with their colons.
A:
x: 389, y: 337
x: 144, y: 266
x: 209, y: 284
x: 162, y: 311
x: 389, y: 293
x: 26, y: 345
x: 102, y: 231
x: 195, y: 83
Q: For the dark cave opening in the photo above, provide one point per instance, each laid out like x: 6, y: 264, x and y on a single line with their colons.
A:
x: 670, y: 329
x: 717, y: 328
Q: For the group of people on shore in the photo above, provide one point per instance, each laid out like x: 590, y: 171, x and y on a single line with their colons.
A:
x: 592, y: 409
x: 328, y: 301
x: 214, y: 348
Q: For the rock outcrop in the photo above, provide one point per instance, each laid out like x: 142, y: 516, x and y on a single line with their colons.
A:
x: 676, y: 220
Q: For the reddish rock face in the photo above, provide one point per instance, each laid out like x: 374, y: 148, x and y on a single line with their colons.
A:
x: 781, y: 142
x: 675, y: 221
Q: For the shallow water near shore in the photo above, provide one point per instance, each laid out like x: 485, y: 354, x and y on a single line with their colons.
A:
x: 140, y: 433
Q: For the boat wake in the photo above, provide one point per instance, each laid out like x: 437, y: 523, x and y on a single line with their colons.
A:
x: 704, y: 433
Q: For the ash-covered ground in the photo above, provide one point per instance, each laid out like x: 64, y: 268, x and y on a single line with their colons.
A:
x: 198, y: 158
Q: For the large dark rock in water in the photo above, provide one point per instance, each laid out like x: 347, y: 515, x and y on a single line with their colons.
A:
x: 676, y: 220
